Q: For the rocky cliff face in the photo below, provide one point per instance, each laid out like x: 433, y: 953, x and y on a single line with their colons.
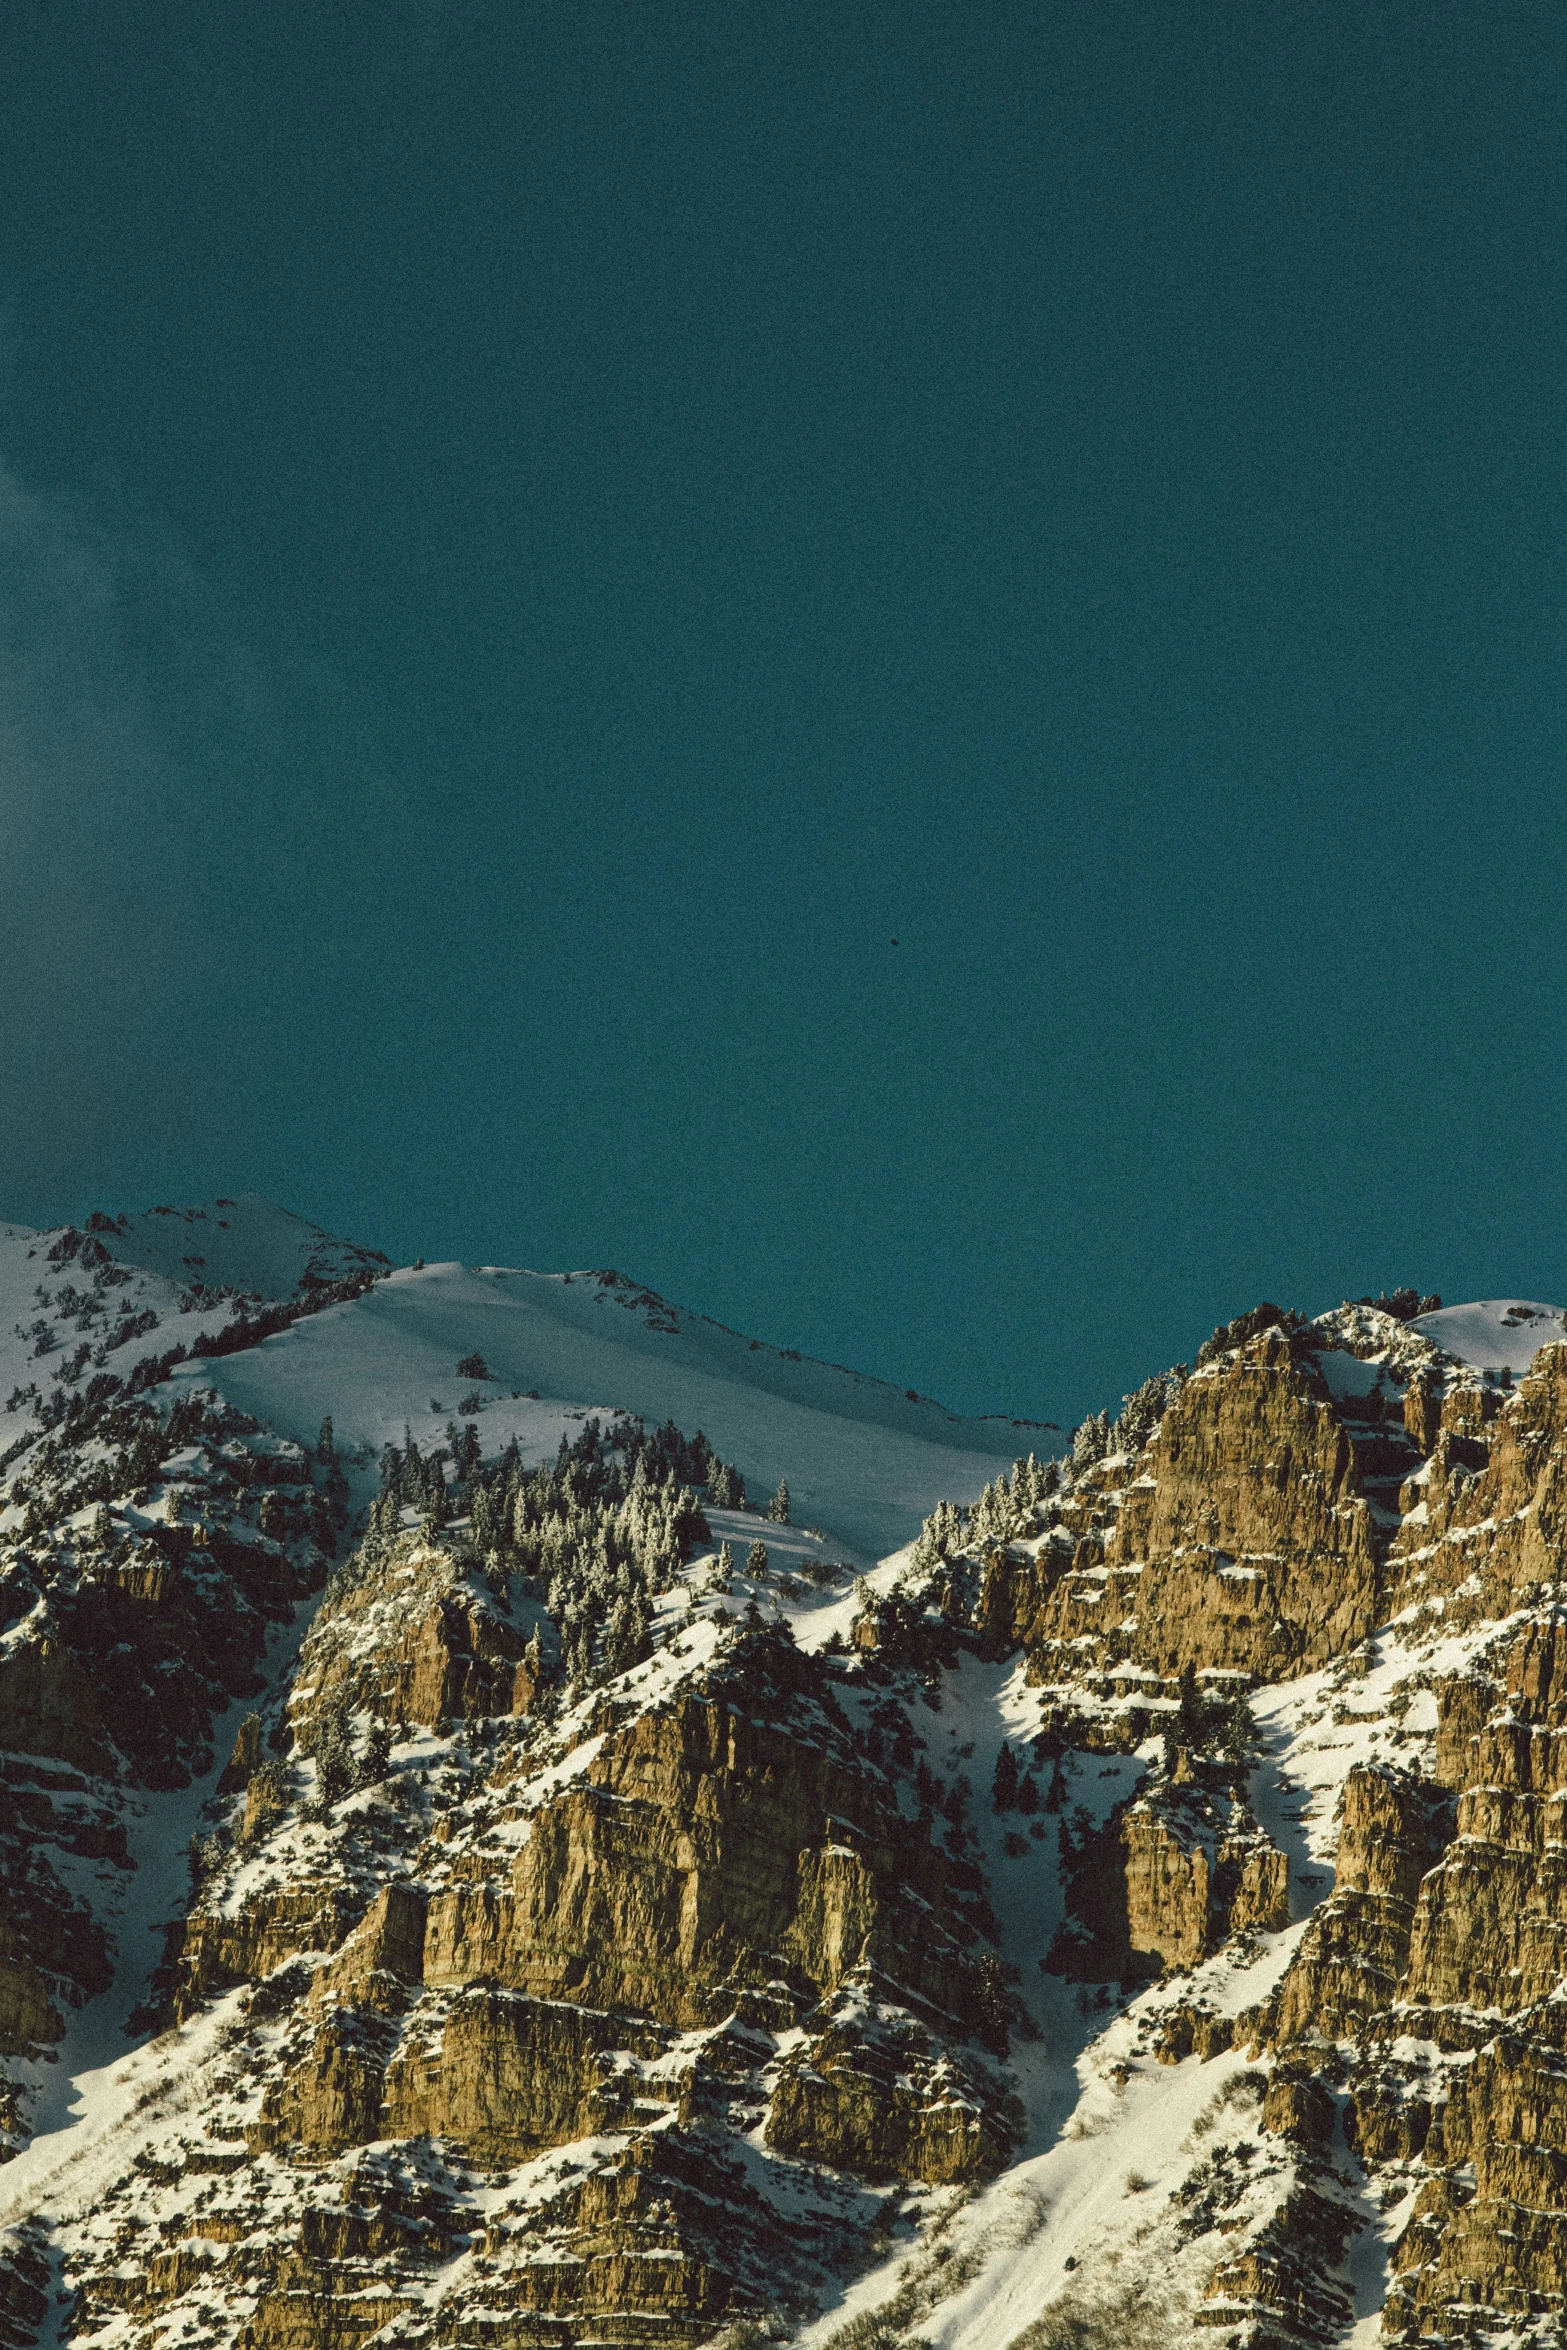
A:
x: 1171, y: 1877
x: 705, y: 1852
x: 1434, y: 1974
x: 1248, y: 1537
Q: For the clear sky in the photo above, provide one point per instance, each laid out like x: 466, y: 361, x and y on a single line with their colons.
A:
x: 537, y: 541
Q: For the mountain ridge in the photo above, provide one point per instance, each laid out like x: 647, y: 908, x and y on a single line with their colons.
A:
x: 1032, y: 1902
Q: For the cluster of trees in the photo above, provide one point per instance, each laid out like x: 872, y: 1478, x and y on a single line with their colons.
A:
x: 340, y: 1767
x: 1013, y: 1789
x: 1206, y: 1725
x: 78, y: 1248
x: 1005, y: 1509
x: 1251, y: 1325
x: 138, y: 1440
x: 1100, y: 1438
x: 247, y: 1330
x: 1009, y: 1506
x: 1404, y: 1304
x: 597, y: 1535
x: 410, y: 1479
x: 725, y: 1485
x: 343, y: 1764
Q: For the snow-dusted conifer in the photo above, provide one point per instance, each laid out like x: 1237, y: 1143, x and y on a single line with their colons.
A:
x: 335, y: 1770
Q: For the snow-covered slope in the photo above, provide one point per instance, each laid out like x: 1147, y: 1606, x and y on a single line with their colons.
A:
x: 73, y: 1300
x: 865, y: 1460
x: 247, y: 1243
x: 559, y: 1347
x: 1495, y: 1333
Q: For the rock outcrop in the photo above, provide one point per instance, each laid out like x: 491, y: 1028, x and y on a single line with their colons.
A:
x: 874, y: 2093
x: 707, y: 1851
x: 1356, y: 1948
x: 509, y: 2075
x: 1171, y: 1876
x: 1247, y: 1539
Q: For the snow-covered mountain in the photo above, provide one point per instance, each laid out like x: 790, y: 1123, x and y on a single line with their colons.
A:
x: 468, y: 1875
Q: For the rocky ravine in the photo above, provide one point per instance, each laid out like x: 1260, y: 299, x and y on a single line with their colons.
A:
x: 1135, y: 1911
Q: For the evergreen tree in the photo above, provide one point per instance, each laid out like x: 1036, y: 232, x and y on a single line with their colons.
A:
x: 411, y: 1476
x: 207, y: 1856
x: 1191, y: 1719
x: 1091, y: 1440
x: 626, y: 1633
x: 778, y: 1507
x: 756, y: 1561
x: 325, y: 1446
x: 1238, y: 1734
x: 334, y: 1746
x: 1192, y: 1723
x: 533, y: 1658
x: 721, y: 1485
x: 1003, y: 1787
x: 991, y: 2003
x: 376, y: 1760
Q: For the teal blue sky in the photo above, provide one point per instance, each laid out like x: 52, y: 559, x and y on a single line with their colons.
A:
x: 537, y: 541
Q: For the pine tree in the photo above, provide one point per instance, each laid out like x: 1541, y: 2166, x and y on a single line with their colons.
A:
x: 325, y: 1446
x: 1003, y: 1788
x: 1191, y: 1724
x: 991, y: 2003
x: 207, y: 1856
x: 756, y: 1561
x: 335, y: 1770
x: 1091, y: 1440
x: 778, y: 1507
x: 410, y: 1477
x: 376, y: 1759
x: 1191, y: 1719
x: 1238, y: 1734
